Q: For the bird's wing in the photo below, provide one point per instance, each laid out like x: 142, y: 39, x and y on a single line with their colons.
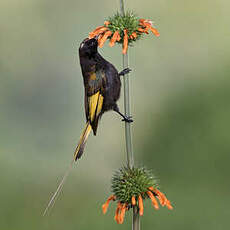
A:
x: 95, y: 103
x: 94, y: 97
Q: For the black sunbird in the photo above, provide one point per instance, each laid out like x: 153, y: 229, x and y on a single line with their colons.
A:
x: 102, y: 89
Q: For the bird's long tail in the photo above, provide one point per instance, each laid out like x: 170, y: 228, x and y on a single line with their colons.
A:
x: 81, y: 144
x: 77, y: 154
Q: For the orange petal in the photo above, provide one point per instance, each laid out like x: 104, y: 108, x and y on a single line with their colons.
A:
x: 155, y: 31
x: 142, y: 20
x: 122, y: 215
x: 162, y: 202
x: 168, y: 204
x: 153, y: 199
x: 106, y: 23
x: 125, y: 42
x: 141, y: 207
x: 146, y: 26
x: 134, y: 34
x: 117, y: 213
x: 106, y: 204
x: 146, y: 30
x: 161, y: 196
x: 114, y: 38
x: 151, y: 188
x: 100, y: 37
x: 145, y: 23
x: 104, y: 38
x: 91, y: 34
x: 99, y: 30
x: 142, y: 24
x: 133, y: 201
x: 141, y: 30
x: 163, y: 199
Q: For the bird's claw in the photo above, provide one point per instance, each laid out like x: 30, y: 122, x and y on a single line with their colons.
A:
x: 124, y: 71
x: 127, y: 119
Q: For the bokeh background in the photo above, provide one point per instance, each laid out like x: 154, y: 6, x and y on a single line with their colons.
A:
x: 180, y: 90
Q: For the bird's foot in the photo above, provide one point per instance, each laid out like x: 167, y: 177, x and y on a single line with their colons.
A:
x: 127, y: 119
x: 124, y: 71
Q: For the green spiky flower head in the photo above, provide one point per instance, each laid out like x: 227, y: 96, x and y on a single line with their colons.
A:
x: 129, y: 182
x: 130, y: 186
x: 124, y: 29
x: 129, y: 22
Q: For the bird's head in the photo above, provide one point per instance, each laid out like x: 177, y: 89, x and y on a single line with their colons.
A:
x: 88, y: 47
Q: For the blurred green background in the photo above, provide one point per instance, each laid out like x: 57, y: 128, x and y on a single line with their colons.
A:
x: 180, y: 103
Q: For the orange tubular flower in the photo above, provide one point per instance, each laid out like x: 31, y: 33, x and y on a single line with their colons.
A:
x: 106, y: 204
x: 91, y: 34
x: 133, y: 201
x: 106, y: 23
x: 141, y: 207
x: 122, y: 206
x: 155, y: 31
x: 148, y: 26
x: 162, y: 198
x: 114, y: 38
x: 146, y: 30
x: 153, y: 199
x: 117, y: 213
x: 125, y: 43
x: 104, y: 38
x: 122, y: 214
x: 141, y: 30
x: 134, y: 34
x: 168, y: 204
x: 98, y: 30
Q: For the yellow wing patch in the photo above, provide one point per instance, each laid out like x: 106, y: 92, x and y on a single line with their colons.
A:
x: 99, y: 104
x: 95, y: 105
x: 92, y: 76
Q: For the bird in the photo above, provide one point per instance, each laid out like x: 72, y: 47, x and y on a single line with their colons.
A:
x: 102, y: 86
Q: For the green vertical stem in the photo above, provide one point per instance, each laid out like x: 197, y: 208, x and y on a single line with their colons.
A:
x: 136, y: 219
x: 128, y: 134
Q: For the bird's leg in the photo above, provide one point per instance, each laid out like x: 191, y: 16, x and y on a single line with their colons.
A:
x: 125, y: 118
x: 124, y: 71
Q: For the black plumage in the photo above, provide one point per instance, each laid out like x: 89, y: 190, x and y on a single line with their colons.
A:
x: 102, y: 88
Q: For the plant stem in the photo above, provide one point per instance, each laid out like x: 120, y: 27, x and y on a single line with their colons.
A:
x: 128, y: 134
x: 136, y: 219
